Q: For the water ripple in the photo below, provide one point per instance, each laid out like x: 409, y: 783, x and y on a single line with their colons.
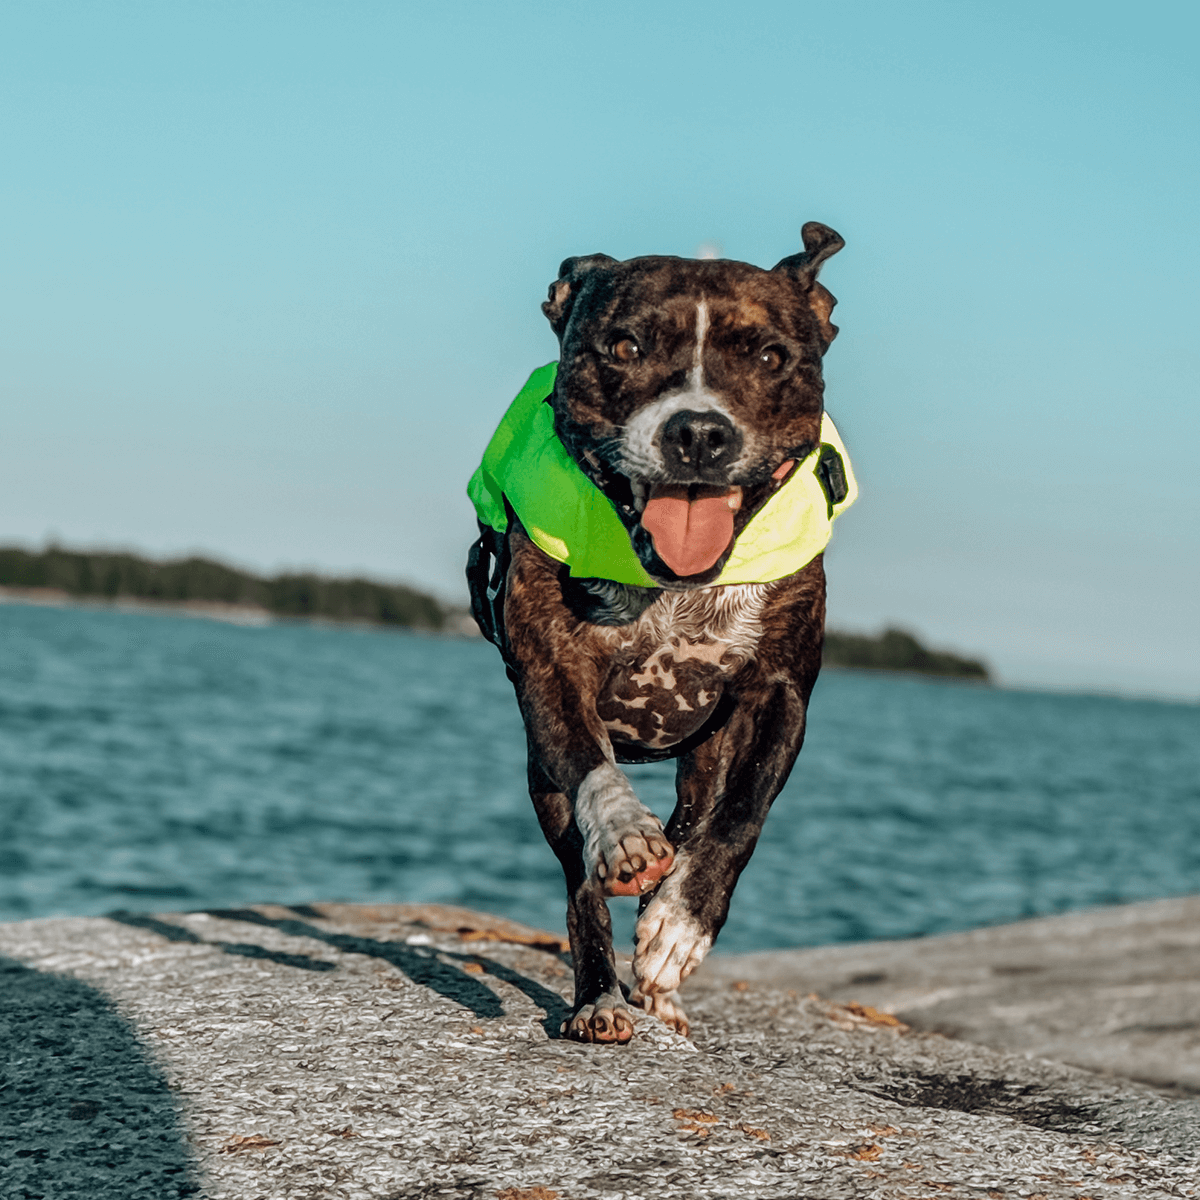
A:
x: 159, y: 762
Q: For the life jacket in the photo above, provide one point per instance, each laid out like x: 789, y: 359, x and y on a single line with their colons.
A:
x: 570, y: 518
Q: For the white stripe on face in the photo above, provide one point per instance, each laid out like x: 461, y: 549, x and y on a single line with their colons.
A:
x: 696, y: 375
x: 641, y: 457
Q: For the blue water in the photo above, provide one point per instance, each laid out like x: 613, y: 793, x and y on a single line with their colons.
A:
x: 162, y: 762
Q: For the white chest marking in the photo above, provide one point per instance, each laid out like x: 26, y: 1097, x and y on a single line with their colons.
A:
x: 721, y: 625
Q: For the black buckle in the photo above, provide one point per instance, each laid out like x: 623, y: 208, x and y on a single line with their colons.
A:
x: 831, y: 472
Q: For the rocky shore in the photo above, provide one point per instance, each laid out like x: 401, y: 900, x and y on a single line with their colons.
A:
x: 411, y: 1051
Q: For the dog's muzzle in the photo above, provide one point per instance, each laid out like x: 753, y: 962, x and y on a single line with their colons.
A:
x: 691, y: 523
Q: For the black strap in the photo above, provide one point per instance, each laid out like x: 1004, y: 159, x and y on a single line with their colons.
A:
x: 831, y: 474
x: 487, y: 575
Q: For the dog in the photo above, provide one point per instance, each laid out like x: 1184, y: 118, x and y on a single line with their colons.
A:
x: 652, y: 515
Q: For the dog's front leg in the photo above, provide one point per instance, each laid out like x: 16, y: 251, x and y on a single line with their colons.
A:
x: 725, y: 788
x: 607, y: 841
x: 600, y: 1013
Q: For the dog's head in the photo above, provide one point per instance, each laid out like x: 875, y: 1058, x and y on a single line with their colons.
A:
x: 688, y: 390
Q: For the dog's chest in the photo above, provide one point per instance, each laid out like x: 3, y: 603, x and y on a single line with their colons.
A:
x: 670, y: 666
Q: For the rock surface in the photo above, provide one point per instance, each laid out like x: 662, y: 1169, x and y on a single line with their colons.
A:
x: 1115, y: 990
x: 412, y: 1051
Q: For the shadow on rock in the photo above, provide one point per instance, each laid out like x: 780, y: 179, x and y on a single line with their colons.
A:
x: 1028, y: 1103
x: 84, y: 1111
x: 421, y: 964
x: 550, y: 1002
x: 177, y: 933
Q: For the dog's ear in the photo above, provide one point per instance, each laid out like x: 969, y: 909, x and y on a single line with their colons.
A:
x: 565, y: 288
x: 820, y: 243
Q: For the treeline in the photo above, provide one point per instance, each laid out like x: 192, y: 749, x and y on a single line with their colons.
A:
x: 895, y: 650
x: 113, y: 576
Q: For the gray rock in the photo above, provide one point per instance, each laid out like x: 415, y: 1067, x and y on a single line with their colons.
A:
x: 354, y: 1052
x: 1115, y: 990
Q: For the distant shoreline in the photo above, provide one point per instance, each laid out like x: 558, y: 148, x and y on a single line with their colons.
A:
x: 234, y: 614
x: 248, y: 615
x: 201, y: 587
x: 896, y: 650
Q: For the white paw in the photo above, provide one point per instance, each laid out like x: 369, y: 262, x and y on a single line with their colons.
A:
x: 665, y: 1006
x: 624, y: 844
x: 670, y: 942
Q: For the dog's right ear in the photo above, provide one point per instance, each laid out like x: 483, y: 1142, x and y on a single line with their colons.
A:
x: 565, y: 288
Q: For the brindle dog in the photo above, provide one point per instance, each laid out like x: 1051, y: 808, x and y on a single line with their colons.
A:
x: 687, y: 391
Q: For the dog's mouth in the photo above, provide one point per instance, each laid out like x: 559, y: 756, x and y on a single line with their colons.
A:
x: 691, y: 525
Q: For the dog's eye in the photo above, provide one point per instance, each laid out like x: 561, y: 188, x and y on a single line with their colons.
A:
x: 626, y: 350
x: 772, y: 357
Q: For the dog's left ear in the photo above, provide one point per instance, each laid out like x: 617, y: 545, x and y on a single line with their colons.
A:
x: 820, y: 243
x: 565, y: 289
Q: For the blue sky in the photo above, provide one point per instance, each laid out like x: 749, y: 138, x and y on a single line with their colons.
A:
x: 273, y: 271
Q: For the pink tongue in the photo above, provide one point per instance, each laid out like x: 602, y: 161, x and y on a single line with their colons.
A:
x: 689, y: 535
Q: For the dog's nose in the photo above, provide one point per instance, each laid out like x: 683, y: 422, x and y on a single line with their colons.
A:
x: 699, y: 441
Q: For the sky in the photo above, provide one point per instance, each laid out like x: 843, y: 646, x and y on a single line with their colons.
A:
x: 273, y: 272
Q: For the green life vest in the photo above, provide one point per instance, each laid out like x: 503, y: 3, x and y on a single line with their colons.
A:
x: 572, y: 520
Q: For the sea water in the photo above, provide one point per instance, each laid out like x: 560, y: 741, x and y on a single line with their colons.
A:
x: 161, y: 762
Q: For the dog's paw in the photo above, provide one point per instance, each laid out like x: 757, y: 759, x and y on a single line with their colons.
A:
x: 624, y: 843
x: 606, y: 1019
x: 634, y: 858
x: 671, y: 943
x: 665, y: 1006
